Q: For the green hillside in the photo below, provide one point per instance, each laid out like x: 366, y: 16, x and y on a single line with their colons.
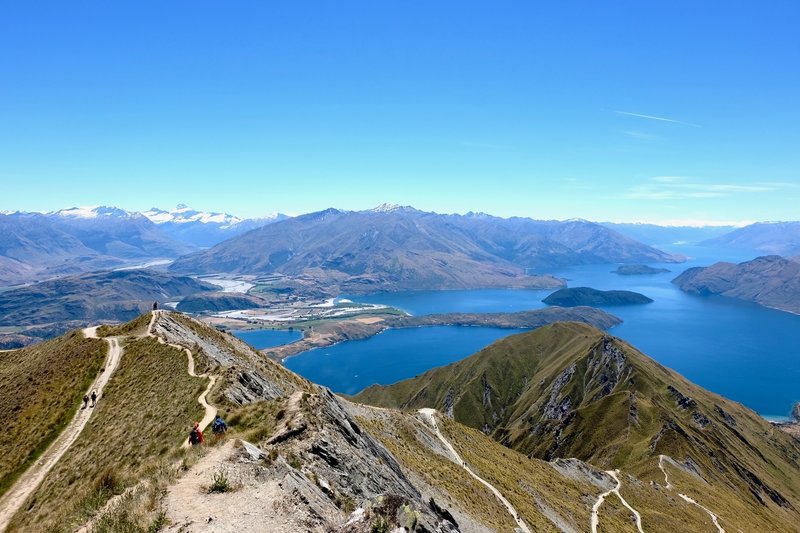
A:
x: 570, y: 390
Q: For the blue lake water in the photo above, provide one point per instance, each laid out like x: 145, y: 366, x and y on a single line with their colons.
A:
x: 739, y: 350
x: 268, y: 338
x: 391, y: 356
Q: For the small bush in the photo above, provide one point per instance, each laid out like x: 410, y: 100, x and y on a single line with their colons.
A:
x: 220, y: 483
x: 380, y: 525
x: 294, y: 461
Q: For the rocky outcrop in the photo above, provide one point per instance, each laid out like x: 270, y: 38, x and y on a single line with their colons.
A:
x: 558, y: 406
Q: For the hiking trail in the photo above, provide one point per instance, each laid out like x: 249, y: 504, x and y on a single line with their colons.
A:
x: 428, y: 414
x: 210, y: 410
x: 684, y: 497
x: 600, y: 499
x: 13, y: 500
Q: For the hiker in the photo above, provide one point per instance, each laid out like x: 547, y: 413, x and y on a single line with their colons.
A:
x: 85, y: 401
x: 155, y: 306
x: 94, y: 398
x: 195, y: 435
x: 219, y: 427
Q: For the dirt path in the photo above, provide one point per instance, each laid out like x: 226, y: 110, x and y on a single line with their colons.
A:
x: 600, y: 499
x: 428, y: 415
x: 686, y: 498
x: 14, y: 499
x: 210, y: 410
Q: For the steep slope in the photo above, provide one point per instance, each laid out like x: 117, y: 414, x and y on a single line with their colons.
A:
x: 771, y: 281
x: 780, y: 238
x: 298, y: 458
x: 395, y: 248
x: 116, y: 295
x: 36, y: 402
x: 569, y: 390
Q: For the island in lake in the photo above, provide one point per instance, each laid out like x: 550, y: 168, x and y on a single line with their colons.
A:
x: 638, y: 270
x: 576, y: 296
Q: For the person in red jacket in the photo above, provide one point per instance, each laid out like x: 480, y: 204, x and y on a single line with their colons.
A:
x: 196, y: 436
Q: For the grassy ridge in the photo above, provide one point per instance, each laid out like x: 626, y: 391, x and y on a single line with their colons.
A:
x: 41, y: 388
x: 137, y: 326
x: 569, y: 390
x: 135, y: 433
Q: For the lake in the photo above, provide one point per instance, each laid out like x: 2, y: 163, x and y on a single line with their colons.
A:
x: 395, y: 354
x: 268, y: 338
x: 739, y: 350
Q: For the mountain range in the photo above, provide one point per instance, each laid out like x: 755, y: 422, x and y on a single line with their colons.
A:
x: 204, y: 229
x: 589, y: 435
x: 656, y: 235
x: 771, y: 281
x: 96, y: 296
x: 36, y: 246
x: 401, y: 248
x: 775, y: 238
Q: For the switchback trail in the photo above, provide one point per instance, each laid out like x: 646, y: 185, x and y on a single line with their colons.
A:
x: 210, y: 410
x: 13, y: 500
x: 686, y: 498
x: 602, y: 497
x: 428, y: 414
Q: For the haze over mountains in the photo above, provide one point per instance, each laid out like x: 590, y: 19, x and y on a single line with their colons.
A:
x: 35, y: 246
x: 397, y: 248
x: 778, y: 238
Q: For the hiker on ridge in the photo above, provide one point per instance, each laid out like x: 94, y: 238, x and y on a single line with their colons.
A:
x: 196, y: 435
x: 85, y: 401
x: 219, y: 427
x: 94, y: 398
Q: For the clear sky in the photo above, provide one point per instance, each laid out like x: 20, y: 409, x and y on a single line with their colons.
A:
x: 627, y: 111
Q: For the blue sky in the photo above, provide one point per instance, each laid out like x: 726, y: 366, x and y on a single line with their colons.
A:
x: 639, y: 111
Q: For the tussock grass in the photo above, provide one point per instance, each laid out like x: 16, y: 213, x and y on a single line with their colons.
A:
x: 400, y: 436
x: 140, y: 422
x: 41, y: 388
x: 137, y: 326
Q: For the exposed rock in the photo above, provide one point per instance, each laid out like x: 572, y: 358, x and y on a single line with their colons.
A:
x: 555, y: 408
x: 685, y: 402
x: 729, y: 419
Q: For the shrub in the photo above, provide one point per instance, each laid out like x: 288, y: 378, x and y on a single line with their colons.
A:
x: 220, y: 483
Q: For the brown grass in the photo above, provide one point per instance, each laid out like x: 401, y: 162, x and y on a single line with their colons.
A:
x: 137, y: 326
x: 41, y: 388
x: 135, y: 434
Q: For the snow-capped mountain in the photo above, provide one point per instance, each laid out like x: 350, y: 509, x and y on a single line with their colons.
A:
x: 102, y: 211
x: 202, y: 228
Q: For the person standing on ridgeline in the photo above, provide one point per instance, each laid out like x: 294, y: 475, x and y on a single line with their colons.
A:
x: 85, y: 401
x: 155, y: 306
x: 94, y: 398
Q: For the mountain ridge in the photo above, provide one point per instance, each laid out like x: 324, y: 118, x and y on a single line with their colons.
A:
x: 406, y: 249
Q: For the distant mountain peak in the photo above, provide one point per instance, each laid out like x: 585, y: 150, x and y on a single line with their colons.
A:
x: 88, y: 212
x: 393, y: 208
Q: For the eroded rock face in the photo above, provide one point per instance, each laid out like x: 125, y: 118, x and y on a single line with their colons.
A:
x: 557, y: 407
x: 246, y: 371
x: 327, y: 444
x: 684, y: 402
